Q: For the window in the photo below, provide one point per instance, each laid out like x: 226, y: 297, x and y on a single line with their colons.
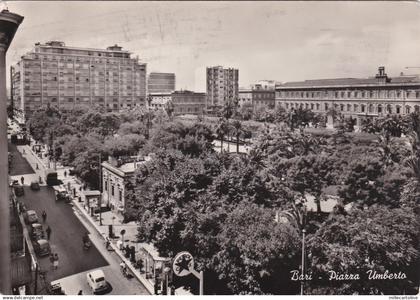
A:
x: 363, y: 94
x: 336, y: 94
x: 398, y: 109
x: 112, y: 190
x: 371, y: 94
x: 399, y: 94
x: 312, y: 106
x: 379, y: 109
x: 106, y: 185
x: 342, y: 94
x: 417, y: 94
x: 348, y: 107
x: 407, y: 109
x: 348, y: 94
x: 317, y: 106
x: 355, y: 107
x: 341, y: 107
x: 326, y: 106
x: 120, y: 195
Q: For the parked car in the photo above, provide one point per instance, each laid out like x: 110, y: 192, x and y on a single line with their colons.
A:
x: 31, y: 217
x: 42, y: 247
x: 96, y: 281
x: 35, y: 186
x: 37, y: 232
x: 19, y: 190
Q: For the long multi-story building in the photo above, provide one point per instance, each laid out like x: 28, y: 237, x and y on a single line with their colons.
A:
x: 357, y: 97
x: 187, y: 102
x: 161, y: 83
x: 222, y: 87
x: 257, y: 96
x: 72, y: 77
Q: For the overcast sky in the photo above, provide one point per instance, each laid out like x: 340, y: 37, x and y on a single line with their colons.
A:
x: 283, y: 41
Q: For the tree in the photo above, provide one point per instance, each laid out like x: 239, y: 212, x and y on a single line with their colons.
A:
x: 221, y: 130
x: 377, y: 239
x: 256, y: 254
x: 238, y: 131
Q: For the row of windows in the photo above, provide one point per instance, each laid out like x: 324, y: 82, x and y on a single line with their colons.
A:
x: 351, y: 94
x: 369, y: 108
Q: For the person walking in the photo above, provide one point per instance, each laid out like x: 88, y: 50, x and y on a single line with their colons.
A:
x: 56, y: 261
x: 65, y: 173
x: 48, y: 230
x: 22, y: 180
x: 52, y: 260
x: 44, y: 216
x: 80, y: 292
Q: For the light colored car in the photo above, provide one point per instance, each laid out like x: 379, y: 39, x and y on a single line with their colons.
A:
x: 31, y: 216
x: 42, y: 247
x: 96, y: 281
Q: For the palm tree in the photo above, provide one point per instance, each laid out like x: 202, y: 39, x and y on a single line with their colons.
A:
x: 221, y: 130
x: 238, y: 131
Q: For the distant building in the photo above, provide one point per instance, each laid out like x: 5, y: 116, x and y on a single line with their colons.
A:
x: 356, y: 97
x: 159, y: 101
x: 187, y: 102
x: 222, y: 87
x: 115, y: 175
x: 257, y: 96
x: 245, y: 97
x: 72, y: 77
x: 161, y: 83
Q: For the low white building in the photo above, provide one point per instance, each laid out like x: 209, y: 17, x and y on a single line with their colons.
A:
x: 115, y: 174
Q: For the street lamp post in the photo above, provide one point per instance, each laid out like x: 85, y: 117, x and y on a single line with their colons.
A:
x: 100, y: 188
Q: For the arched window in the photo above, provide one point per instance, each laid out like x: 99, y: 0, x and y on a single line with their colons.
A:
x: 356, y: 108
x: 407, y: 109
x: 379, y: 109
x: 398, y: 109
x: 362, y: 108
x: 370, y: 108
x: 348, y: 107
x: 389, y: 109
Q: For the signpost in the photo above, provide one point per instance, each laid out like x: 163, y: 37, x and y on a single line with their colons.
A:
x: 183, y: 265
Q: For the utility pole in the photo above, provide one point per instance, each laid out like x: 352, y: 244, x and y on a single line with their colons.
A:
x: 100, y: 188
x: 9, y: 23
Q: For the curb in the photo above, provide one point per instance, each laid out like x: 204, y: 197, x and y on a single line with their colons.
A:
x: 149, y: 287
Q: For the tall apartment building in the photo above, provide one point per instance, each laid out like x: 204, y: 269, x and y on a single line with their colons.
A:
x: 72, y: 77
x: 161, y: 83
x: 222, y: 87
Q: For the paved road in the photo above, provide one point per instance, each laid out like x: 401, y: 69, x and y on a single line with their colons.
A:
x: 68, y: 225
x: 19, y: 165
x: 66, y: 236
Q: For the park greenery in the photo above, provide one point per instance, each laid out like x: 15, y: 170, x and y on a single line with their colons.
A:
x: 221, y: 207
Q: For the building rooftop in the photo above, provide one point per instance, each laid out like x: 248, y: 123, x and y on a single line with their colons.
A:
x: 404, y: 79
x: 348, y: 81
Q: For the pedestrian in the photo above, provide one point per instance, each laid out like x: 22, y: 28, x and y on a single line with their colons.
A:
x: 22, y: 180
x: 56, y: 261
x: 65, y: 173
x: 52, y: 260
x: 37, y: 167
x: 48, y: 232
x: 44, y: 216
x: 80, y: 292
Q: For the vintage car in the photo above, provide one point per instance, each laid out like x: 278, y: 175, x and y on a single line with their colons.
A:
x: 19, y: 191
x: 96, y: 281
x: 31, y: 217
x: 37, y: 231
x: 42, y: 247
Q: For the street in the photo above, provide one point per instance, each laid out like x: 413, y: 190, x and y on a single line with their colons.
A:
x: 68, y: 225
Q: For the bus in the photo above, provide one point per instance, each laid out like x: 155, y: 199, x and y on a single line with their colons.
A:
x: 51, y: 177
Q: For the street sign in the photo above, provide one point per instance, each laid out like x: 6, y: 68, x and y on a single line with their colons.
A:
x: 183, y: 264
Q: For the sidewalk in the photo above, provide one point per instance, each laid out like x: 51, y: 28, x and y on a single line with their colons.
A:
x: 108, y: 218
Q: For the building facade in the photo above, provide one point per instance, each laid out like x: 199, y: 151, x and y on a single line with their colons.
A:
x: 222, y: 87
x: 115, y: 175
x: 161, y: 83
x: 71, y: 77
x: 159, y: 100
x: 366, y: 97
x: 187, y: 102
x: 257, y: 96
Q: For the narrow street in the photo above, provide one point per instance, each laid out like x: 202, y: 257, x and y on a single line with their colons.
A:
x: 68, y: 225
